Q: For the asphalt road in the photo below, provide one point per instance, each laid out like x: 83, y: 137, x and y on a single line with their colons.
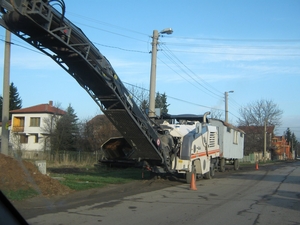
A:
x: 270, y: 195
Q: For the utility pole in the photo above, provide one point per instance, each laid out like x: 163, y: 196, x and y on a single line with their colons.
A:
x: 153, y: 75
x: 5, y: 102
x: 226, y: 105
x: 155, y: 36
x: 265, y: 140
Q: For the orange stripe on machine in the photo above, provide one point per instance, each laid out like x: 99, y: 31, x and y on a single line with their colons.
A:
x: 211, y: 152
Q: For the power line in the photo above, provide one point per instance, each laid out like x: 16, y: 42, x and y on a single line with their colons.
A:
x: 234, y: 105
x: 177, y: 99
x: 203, y: 39
x: 235, y: 102
x: 123, y: 49
x: 174, y: 98
x: 237, y: 40
x: 138, y: 52
x: 233, y: 115
x: 22, y: 46
x: 290, y: 127
x: 227, y: 53
x: 246, y: 47
x: 185, y: 78
x: 193, y: 72
x: 111, y: 32
x: 106, y: 24
x: 144, y: 89
x: 171, y: 56
x: 119, y: 48
x: 186, y: 38
x: 192, y: 77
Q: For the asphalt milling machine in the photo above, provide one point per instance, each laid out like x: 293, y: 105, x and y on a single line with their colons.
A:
x: 177, y: 144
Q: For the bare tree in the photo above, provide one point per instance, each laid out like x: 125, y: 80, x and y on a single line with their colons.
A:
x: 216, y: 114
x: 17, y: 146
x: 49, y: 126
x: 253, y: 119
x: 140, y: 95
x: 95, y: 132
x: 259, y: 112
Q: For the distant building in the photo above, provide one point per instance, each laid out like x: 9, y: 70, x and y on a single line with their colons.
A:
x: 30, y: 127
x: 280, y: 148
x: 254, y: 139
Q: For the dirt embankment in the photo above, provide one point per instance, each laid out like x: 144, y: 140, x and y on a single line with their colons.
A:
x: 22, y: 175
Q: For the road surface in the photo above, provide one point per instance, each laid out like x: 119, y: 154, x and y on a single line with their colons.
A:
x: 269, y: 195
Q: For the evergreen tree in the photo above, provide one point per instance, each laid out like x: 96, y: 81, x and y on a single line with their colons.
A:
x: 66, y: 132
x: 161, y: 102
x: 294, y: 142
x: 141, y: 96
x: 291, y: 138
x: 15, y: 101
x: 288, y: 134
x: 144, y: 105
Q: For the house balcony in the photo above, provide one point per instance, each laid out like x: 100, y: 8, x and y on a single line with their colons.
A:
x: 18, y: 129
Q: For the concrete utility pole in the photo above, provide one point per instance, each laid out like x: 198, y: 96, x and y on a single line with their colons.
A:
x: 226, y: 105
x: 5, y: 103
x: 265, y: 141
x: 155, y: 36
x: 153, y: 75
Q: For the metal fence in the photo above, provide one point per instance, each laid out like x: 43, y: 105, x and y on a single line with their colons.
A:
x: 75, y: 157
x: 60, y: 157
x: 256, y: 156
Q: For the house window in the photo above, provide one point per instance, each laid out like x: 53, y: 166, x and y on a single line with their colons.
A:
x: 18, y: 124
x: 23, y: 139
x: 35, y: 121
x: 228, y: 129
x: 19, y: 121
x: 235, y: 137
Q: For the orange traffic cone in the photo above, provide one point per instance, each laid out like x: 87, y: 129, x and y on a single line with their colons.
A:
x: 256, y: 165
x: 193, y: 183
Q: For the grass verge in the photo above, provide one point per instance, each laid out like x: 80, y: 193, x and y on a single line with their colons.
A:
x: 93, y: 178
x: 20, y: 194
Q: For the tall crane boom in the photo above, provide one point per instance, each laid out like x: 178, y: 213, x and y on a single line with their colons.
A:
x: 38, y: 23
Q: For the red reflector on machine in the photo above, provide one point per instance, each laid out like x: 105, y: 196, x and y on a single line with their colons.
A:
x: 158, y: 142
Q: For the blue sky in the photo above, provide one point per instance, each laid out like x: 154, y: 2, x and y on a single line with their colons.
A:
x: 251, y: 47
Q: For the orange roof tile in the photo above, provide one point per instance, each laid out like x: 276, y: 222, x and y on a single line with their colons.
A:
x: 42, y: 108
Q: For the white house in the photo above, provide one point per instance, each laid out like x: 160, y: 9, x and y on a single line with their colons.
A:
x: 30, y: 127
